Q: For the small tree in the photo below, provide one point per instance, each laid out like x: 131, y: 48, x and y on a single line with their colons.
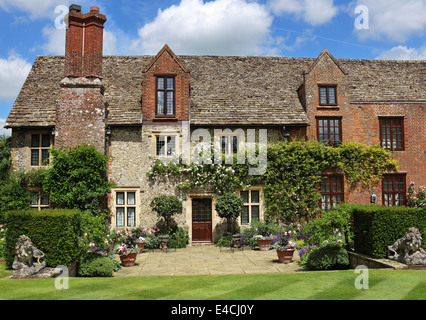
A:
x: 229, y: 206
x: 5, y: 151
x: 77, y: 179
x: 166, y: 206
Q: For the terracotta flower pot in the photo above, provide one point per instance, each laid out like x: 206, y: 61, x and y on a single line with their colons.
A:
x: 264, y: 244
x: 141, y: 245
x: 285, y: 256
x: 128, y: 260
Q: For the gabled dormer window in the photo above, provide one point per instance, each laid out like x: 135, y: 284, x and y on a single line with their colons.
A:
x: 327, y: 95
x: 165, y: 99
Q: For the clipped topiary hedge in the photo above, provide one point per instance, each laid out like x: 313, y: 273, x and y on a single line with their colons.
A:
x: 53, y: 231
x: 376, y: 228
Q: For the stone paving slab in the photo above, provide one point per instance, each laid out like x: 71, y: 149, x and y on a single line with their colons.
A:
x: 206, y: 260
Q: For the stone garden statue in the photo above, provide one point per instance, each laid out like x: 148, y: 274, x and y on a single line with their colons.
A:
x: 410, y: 247
x: 28, y: 259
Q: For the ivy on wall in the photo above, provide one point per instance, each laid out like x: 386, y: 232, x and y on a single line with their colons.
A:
x: 291, y: 181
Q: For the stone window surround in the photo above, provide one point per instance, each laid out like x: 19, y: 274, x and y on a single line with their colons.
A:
x: 165, y: 133
x: 113, y: 205
x: 261, y: 204
x: 39, y: 206
x: 28, y: 138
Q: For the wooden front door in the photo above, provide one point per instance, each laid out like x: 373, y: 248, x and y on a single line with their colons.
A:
x: 202, y: 219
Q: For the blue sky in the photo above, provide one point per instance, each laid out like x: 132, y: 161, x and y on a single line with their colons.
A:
x: 359, y: 29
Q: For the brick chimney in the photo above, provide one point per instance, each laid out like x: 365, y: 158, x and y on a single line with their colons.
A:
x: 84, y: 43
x: 81, y: 107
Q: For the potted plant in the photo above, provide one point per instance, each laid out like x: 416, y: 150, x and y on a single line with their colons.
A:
x: 127, y: 255
x: 230, y: 206
x: 140, y: 242
x: 166, y: 206
x: 263, y: 241
x: 139, y: 235
x: 285, y: 248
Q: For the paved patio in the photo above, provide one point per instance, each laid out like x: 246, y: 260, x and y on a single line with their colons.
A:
x: 207, y: 260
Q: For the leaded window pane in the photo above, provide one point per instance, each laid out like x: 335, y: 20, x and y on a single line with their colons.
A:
x: 120, y: 198
x: 130, y: 198
x: 255, y: 196
x: 44, y: 201
x: 160, y: 146
x: 171, y: 146
x: 35, y: 157
x: 130, y: 217
x: 255, y: 214
x: 245, y: 196
x: 120, y: 217
x: 34, y: 199
x: 245, y: 215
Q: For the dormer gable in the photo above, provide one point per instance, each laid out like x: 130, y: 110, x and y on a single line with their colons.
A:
x: 326, y: 84
x: 325, y: 60
x: 161, y: 55
x: 165, y: 89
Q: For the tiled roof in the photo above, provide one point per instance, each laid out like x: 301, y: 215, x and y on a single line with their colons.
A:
x: 224, y: 89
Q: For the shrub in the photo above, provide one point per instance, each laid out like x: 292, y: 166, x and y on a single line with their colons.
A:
x: 13, y: 194
x: 2, y: 240
x: 95, y: 265
x: 264, y: 228
x: 324, y: 227
x: 55, y: 232
x: 224, y: 241
x: 178, y: 239
x: 329, y: 257
x: 166, y: 206
x: 229, y: 206
x: 376, y: 228
x: 416, y: 198
x: 76, y: 179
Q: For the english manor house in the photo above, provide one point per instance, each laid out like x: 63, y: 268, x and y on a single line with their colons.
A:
x: 137, y: 108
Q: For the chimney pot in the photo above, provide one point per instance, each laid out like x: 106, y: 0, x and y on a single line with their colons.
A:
x: 96, y: 9
x: 75, y: 8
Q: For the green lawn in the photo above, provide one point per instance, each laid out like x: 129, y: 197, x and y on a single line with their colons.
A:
x: 328, y: 285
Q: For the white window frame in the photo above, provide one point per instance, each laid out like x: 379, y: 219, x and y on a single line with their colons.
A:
x: 115, y: 205
x: 251, y: 204
x: 39, y: 206
x: 165, y: 135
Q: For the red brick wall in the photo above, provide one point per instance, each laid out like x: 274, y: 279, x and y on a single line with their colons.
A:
x: 80, y: 117
x: 360, y: 123
x: 165, y: 63
x: 81, y: 107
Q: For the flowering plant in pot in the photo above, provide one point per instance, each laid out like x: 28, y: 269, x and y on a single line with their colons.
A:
x: 127, y: 254
x: 263, y: 241
x: 285, y: 247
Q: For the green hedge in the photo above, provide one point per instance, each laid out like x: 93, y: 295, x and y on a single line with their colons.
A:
x: 53, y: 231
x: 376, y: 228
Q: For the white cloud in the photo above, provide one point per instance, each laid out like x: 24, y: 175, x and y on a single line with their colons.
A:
x: 3, y: 131
x: 230, y: 27
x: 34, y: 9
x: 393, y: 20
x: 55, y: 41
x: 314, y: 12
x: 403, y: 53
x: 13, y: 72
